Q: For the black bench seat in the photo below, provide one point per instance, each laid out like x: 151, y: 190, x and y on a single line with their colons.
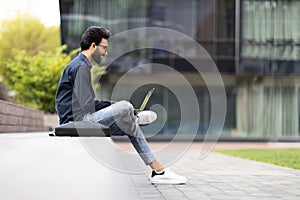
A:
x: 81, y: 129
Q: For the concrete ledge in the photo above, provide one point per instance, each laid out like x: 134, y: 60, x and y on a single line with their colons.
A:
x: 15, y: 118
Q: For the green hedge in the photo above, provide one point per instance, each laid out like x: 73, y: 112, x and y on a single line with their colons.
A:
x: 34, y: 78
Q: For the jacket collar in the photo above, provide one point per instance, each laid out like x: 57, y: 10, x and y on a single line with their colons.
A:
x: 85, y: 59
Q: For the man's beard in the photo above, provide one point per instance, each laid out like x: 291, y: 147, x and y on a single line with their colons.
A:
x: 97, y: 56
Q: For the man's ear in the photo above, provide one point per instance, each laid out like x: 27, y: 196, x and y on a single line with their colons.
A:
x: 93, y: 45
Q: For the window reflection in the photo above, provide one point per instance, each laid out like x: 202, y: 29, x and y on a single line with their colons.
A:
x: 211, y: 23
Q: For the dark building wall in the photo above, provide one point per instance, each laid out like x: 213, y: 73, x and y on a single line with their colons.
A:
x: 239, y: 35
x: 211, y: 23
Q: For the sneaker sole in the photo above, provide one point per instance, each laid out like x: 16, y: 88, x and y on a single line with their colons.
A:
x: 167, y: 182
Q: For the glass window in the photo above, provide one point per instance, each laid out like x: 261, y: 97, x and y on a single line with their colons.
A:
x: 270, y: 31
x: 211, y: 23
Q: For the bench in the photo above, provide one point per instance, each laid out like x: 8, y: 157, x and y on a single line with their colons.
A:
x: 81, y: 129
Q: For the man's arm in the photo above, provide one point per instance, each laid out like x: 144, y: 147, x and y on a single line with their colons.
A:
x: 100, y: 104
x: 83, y: 91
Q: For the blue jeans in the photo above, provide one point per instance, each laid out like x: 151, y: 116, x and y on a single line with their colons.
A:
x: 121, y: 120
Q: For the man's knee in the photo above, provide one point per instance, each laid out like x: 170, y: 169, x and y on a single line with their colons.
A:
x: 124, y: 107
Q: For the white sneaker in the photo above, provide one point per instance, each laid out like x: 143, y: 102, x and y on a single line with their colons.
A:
x: 146, y: 117
x: 167, y: 177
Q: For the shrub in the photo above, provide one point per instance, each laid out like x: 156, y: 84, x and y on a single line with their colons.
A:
x: 34, y: 78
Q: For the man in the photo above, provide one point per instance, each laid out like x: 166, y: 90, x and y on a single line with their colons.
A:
x: 75, y: 101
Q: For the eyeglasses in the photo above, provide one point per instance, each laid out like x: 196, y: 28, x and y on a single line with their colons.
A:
x: 104, y: 47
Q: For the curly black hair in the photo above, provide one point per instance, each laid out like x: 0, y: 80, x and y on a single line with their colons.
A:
x: 93, y: 34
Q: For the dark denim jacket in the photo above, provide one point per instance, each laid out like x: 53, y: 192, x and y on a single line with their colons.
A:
x: 75, y: 96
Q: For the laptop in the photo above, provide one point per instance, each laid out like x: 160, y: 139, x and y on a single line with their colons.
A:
x: 146, y: 99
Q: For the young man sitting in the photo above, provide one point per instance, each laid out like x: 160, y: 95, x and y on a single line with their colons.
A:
x: 75, y: 101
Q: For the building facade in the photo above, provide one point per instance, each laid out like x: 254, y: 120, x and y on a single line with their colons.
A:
x: 253, y: 43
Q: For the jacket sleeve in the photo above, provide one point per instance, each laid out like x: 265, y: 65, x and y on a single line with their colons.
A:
x: 82, y: 90
x: 101, y: 104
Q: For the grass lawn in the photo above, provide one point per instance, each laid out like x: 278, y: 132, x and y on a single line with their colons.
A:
x: 282, y: 157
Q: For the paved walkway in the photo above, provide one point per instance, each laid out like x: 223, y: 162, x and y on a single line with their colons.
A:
x: 35, y: 166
